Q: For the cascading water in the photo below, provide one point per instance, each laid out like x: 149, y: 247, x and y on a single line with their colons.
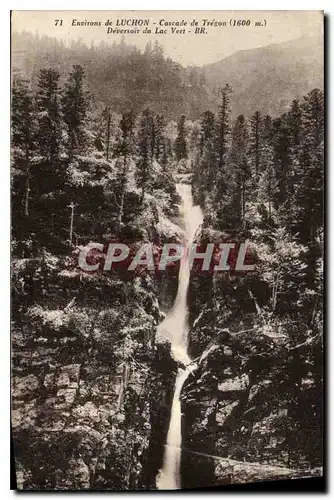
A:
x: 175, y: 328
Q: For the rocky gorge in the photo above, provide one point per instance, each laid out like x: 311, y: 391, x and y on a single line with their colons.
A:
x: 93, y: 388
x: 112, y: 368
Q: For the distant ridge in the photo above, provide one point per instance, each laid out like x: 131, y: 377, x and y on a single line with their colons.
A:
x: 269, y: 78
x: 265, y: 79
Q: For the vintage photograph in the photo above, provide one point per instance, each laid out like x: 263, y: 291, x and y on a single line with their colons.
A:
x: 167, y: 225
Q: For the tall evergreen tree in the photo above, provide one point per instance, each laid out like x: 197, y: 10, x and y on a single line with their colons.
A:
x: 223, y: 123
x: 48, y: 115
x: 207, y: 156
x: 145, y: 140
x: 127, y: 125
x: 23, y: 130
x: 207, y: 130
x: 180, y: 145
x: 267, y: 190
x: 310, y: 188
x: 267, y: 131
x: 255, y: 142
x: 75, y: 103
x: 51, y: 176
x: 239, y: 168
x: 167, y: 152
x: 294, y: 121
x: 222, y: 183
x: 107, y: 114
x: 282, y: 160
x: 160, y: 140
x: 124, y: 150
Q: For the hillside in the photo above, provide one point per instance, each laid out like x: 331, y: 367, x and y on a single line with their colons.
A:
x: 99, y: 346
x: 119, y: 75
x: 269, y: 78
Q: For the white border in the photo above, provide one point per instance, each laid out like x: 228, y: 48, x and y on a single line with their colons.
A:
x: 326, y: 5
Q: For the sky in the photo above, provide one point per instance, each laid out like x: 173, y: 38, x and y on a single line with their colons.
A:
x: 189, y: 48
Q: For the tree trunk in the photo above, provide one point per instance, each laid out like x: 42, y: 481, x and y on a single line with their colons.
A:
x: 121, y: 206
x: 27, y: 193
x: 243, y: 204
x: 121, y: 212
x: 108, y: 134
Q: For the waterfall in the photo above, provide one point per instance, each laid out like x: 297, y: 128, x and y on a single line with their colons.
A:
x: 175, y: 328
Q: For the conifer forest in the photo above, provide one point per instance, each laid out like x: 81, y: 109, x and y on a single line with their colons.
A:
x: 102, y: 137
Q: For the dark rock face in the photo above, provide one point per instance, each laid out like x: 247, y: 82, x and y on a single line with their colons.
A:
x: 80, y: 427
x: 90, y: 404
x: 252, y: 411
x: 200, y: 401
x: 91, y: 385
x: 236, y: 430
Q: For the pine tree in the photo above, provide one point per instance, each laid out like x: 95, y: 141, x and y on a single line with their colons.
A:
x: 126, y: 125
x: 48, y: 114
x: 158, y: 50
x: 267, y: 126
x: 207, y: 130
x: 223, y: 179
x: 207, y: 155
x: 223, y: 123
x: 108, y: 120
x: 310, y: 171
x: 294, y: 121
x: 310, y: 189
x: 267, y: 190
x: 255, y: 143
x: 124, y: 150
x: 160, y: 140
x: 167, y: 155
x: 51, y: 176
x: 75, y: 102
x: 23, y: 129
x: 180, y: 145
x: 145, y: 141
x: 283, y: 163
x: 239, y: 168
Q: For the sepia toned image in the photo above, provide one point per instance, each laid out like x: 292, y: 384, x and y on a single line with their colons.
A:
x: 167, y: 180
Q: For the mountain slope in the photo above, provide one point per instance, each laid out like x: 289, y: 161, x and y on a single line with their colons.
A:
x: 118, y: 75
x: 268, y: 78
x: 265, y: 79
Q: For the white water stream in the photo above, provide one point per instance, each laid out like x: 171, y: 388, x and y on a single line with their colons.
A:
x: 175, y: 327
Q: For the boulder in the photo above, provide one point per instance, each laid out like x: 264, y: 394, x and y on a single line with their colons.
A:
x: 24, y: 387
x: 236, y: 384
x: 24, y: 416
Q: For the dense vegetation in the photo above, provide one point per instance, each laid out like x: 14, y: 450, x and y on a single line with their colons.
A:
x: 119, y: 74
x: 81, y: 342
x: 86, y: 364
x: 267, y: 78
x: 260, y: 179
